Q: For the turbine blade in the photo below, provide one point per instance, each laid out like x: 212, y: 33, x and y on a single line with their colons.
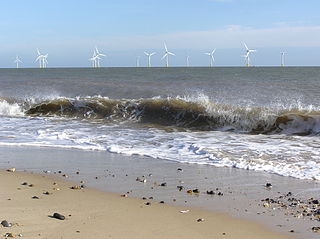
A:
x: 165, y: 46
x: 164, y: 56
x: 246, y: 46
x: 213, y: 51
x: 170, y: 53
x: 147, y: 54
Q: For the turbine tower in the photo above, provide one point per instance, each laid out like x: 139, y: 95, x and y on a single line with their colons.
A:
x: 42, y: 59
x: 283, y: 58
x: 97, y: 57
x: 149, y: 55
x: 166, y: 55
x: 17, y: 61
x: 187, y: 61
x: 211, y: 57
x: 247, y: 56
x: 138, y: 61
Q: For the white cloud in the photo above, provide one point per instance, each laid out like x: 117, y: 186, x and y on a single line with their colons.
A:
x: 228, y: 37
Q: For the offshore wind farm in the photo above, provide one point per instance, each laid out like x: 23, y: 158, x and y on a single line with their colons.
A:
x: 97, y: 57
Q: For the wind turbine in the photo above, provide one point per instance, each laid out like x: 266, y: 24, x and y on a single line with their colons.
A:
x: 166, y: 55
x: 283, y: 58
x: 211, y: 57
x: 97, y: 57
x: 138, y: 61
x: 149, y: 55
x: 42, y: 59
x: 187, y: 61
x: 17, y: 61
x: 247, y: 56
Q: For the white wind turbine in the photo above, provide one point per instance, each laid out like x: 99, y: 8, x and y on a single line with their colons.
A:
x: 17, y: 61
x: 42, y: 59
x: 97, y: 57
x: 149, y: 55
x: 211, y: 57
x: 166, y: 55
x: 93, y: 59
x: 283, y: 58
x: 247, y: 56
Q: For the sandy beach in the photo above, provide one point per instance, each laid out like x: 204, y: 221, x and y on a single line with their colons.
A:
x: 234, y: 211
x: 90, y: 213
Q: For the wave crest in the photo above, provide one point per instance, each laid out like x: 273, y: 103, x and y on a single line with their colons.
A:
x: 189, y: 114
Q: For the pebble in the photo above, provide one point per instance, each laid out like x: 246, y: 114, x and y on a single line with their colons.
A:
x: 195, y: 190
x: 9, y: 234
x: 161, y: 202
x: 12, y: 170
x: 76, y: 187
x: 46, y: 193
x: 211, y: 192
x: 124, y: 195
x: 35, y: 197
x: 58, y: 216
x: 148, y: 203
x: 316, y: 229
x: 24, y: 183
x: 5, y: 223
x: 268, y: 185
x: 200, y: 220
x: 180, y: 188
x: 163, y: 184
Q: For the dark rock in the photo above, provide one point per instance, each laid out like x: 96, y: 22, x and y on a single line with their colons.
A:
x: 210, y: 192
x: 161, y: 202
x: 148, y: 203
x: 180, y: 188
x: 163, y: 184
x: 24, y: 183
x: 5, y: 223
x: 46, y: 193
x: 35, y: 197
x: 315, y: 201
x: 151, y: 198
x: 315, y: 229
x: 195, y: 190
x: 180, y: 169
x: 58, y: 216
x: 268, y: 185
x: 220, y: 194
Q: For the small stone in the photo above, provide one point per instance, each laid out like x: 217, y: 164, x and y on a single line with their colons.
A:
x: 315, y: 201
x: 77, y: 172
x: 35, y: 197
x: 144, y: 198
x: 291, y: 231
x: 200, y: 220
x: 195, y: 190
x: 9, y: 234
x: 124, y: 195
x: 190, y: 191
x: 11, y: 170
x: 76, y: 187
x: 24, y: 183
x: 65, y: 175
x: 180, y: 188
x: 211, y: 192
x: 268, y: 185
x: 59, y: 172
x: 58, y: 216
x: 163, y: 184
x: 148, y: 203
x: 180, y: 169
x: 31, y: 185
x: 316, y: 229
x: 161, y: 202
x: 5, y: 223
x: 220, y: 194
x: 46, y: 193
x: 151, y: 198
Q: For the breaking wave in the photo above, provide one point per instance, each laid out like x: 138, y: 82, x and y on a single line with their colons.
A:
x: 183, y: 113
x: 200, y: 114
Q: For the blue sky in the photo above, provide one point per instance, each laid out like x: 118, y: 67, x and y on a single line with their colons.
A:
x: 68, y: 31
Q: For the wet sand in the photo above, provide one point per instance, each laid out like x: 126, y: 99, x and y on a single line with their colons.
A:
x: 240, y: 196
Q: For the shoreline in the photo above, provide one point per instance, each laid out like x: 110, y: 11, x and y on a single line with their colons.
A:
x: 118, y: 174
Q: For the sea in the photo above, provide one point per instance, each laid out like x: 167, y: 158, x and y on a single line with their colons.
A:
x: 253, y: 118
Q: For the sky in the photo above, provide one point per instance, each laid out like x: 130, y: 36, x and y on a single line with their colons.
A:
x: 68, y: 30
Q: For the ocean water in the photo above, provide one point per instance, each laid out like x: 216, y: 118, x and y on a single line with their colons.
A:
x: 259, y: 118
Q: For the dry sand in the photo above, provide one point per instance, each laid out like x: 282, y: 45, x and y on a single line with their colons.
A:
x: 94, y: 214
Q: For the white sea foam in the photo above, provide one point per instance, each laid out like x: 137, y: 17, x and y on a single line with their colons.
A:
x: 293, y: 156
x: 7, y: 109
